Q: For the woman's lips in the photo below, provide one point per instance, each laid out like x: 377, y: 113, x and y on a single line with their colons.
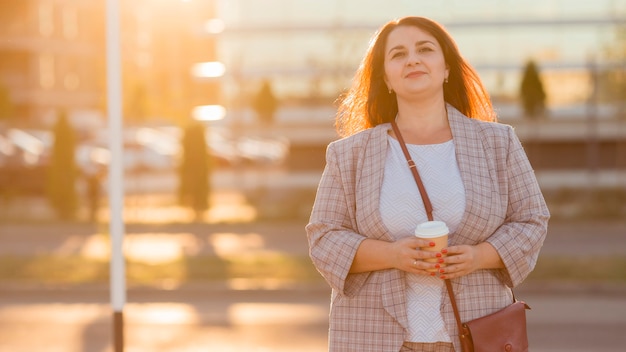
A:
x: 415, y: 74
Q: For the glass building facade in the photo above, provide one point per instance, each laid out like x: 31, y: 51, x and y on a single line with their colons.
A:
x: 52, y: 51
x: 311, y: 48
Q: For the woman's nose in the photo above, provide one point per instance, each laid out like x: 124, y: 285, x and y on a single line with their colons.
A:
x: 413, y: 59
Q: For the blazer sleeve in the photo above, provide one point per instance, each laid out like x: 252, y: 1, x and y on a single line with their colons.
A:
x: 332, y: 230
x: 520, y: 237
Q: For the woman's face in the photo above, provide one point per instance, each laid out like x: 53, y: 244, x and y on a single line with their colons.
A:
x: 414, y: 62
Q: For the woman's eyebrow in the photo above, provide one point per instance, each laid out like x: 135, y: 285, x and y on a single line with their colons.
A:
x: 420, y: 42
x: 397, y: 47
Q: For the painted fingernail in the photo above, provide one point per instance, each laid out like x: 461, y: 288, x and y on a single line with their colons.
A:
x: 440, y: 260
x: 444, y: 251
x: 437, y: 266
x: 442, y: 271
x: 432, y: 244
x: 443, y: 277
x: 432, y: 274
x: 438, y: 255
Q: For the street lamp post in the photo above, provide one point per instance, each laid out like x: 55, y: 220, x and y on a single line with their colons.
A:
x: 116, y: 176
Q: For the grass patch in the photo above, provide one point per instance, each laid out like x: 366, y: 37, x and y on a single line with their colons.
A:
x: 48, y: 269
x: 52, y: 269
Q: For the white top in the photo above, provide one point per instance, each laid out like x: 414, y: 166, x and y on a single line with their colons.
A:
x: 402, y: 210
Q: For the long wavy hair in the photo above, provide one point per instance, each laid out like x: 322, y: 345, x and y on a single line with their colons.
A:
x: 368, y: 102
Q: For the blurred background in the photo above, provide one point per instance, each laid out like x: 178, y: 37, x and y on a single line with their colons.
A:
x: 228, y: 106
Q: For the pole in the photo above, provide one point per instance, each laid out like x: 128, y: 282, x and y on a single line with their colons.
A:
x: 116, y: 176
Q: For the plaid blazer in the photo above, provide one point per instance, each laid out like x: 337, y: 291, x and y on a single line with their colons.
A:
x: 504, y: 206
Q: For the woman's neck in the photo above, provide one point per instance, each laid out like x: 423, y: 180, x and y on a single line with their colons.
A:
x: 423, y: 123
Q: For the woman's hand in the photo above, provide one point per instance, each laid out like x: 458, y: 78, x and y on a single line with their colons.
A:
x: 410, y: 257
x: 404, y: 254
x: 465, y: 259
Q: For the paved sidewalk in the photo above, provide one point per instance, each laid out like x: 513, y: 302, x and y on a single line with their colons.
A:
x: 202, y: 319
x: 565, y: 317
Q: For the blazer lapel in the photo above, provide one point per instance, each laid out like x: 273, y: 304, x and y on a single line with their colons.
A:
x: 368, y: 184
x: 474, y: 170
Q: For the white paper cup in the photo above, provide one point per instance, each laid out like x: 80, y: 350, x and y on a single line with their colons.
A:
x: 435, y: 231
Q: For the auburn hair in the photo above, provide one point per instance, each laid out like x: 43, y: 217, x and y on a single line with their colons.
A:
x: 368, y: 102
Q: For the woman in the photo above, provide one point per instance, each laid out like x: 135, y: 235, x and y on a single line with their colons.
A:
x: 385, y: 297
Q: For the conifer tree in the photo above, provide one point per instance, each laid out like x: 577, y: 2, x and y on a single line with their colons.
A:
x: 532, y: 93
x: 62, y: 170
x: 194, y: 170
x: 265, y: 104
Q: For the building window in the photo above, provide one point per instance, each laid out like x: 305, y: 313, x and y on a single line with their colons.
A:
x: 70, y: 23
x: 46, y: 19
x: 46, y: 71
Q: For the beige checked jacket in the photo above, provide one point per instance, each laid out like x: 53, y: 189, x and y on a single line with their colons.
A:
x: 504, y: 206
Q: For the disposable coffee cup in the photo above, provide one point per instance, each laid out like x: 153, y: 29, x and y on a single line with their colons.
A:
x: 434, y: 231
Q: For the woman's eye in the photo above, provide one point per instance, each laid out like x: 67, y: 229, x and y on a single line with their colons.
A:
x: 425, y: 49
x: 398, y: 54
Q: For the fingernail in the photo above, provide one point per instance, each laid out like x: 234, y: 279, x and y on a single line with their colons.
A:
x: 444, y: 251
x: 442, y: 271
x: 432, y: 274
x: 438, y: 255
x: 440, y: 260
x: 432, y: 244
x: 437, y: 266
x: 443, y: 277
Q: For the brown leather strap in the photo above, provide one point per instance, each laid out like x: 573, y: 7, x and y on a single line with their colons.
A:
x: 457, y: 316
x: 429, y: 212
x: 427, y: 205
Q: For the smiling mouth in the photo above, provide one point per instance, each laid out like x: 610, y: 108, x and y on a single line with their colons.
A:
x: 415, y: 74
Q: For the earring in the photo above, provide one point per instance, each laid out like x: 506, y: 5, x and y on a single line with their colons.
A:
x: 445, y: 80
x: 390, y: 90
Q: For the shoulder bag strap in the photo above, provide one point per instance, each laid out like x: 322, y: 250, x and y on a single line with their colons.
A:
x: 429, y: 212
x: 427, y: 205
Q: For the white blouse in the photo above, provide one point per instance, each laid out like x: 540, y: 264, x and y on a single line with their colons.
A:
x: 402, y: 210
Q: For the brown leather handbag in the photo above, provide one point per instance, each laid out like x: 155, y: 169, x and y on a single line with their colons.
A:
x: 504, y: 330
